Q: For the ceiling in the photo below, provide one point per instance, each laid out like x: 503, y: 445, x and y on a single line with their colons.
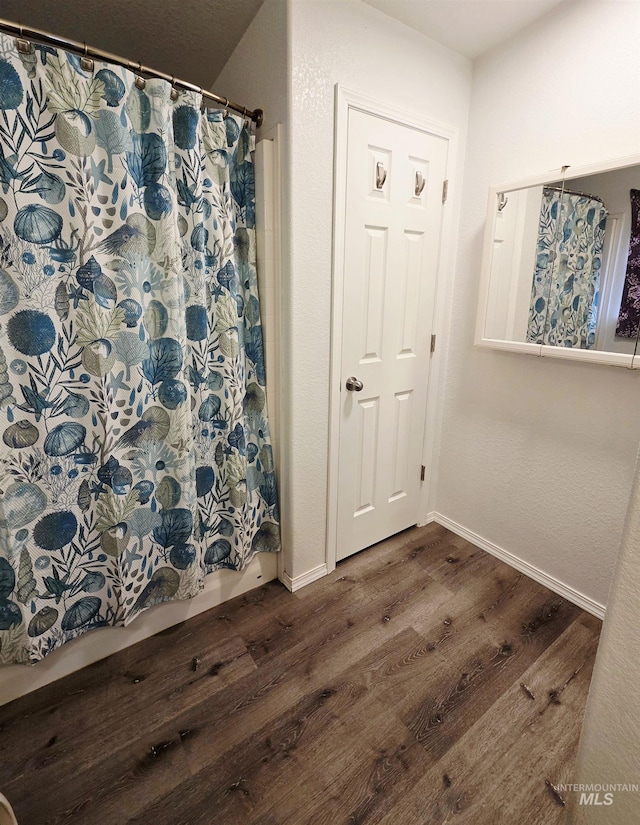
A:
x: 192, y: 38
x: 471, y: 27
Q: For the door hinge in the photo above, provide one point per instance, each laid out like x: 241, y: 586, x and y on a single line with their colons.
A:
x: 445, y: 191
x: 433, y: 343
x: 423, y: 470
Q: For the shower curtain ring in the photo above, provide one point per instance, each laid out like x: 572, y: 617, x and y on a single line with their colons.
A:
x: 85, y: 61
x: 22, y: 45
x: 174, y: 91
x: 140, y: 81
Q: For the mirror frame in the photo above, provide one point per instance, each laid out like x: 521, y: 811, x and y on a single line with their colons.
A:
x: 617, y: 359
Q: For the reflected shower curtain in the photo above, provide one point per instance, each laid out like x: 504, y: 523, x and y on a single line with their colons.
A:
x: 566, y: 281
x: 135, y: 453
x: 629, y: 314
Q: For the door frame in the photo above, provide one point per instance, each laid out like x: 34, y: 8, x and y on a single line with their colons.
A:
x: 345, y: 100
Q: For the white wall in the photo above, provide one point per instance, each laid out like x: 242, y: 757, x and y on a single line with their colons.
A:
x: 352, y: 44
x: 256, y: 73
x: 608, y: 752
x: 537, y: 455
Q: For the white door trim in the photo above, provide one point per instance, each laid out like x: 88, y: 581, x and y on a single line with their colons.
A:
x: 346, y: 99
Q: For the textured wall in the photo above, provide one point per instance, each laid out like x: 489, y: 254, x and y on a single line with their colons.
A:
x: 256, y: 74
x: 609, y: 747
x: 537, y: 455
x: 354, y: 45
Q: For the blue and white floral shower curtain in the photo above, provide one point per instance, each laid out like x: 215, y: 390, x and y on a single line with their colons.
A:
x: 566, y: 282
x: 135, y: 453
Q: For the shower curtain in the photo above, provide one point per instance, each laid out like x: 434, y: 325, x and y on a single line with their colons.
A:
x: 629, y: 315
x: 566, y: 281
x: 135, y: 453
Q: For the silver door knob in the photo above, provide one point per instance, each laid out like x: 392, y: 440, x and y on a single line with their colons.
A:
x: 353, y: 385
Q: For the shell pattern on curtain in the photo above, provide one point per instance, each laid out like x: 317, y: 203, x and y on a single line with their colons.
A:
x: 566, y: 282
x: 135, y: 454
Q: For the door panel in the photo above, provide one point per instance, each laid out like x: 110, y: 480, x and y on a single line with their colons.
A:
x: 392, y: 238
x: 410, y: 292
x: 373, y: 284
x: 368, y: 414
x: 401, y: 438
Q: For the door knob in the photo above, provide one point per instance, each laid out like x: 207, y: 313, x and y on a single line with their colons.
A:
x: 353, y: 385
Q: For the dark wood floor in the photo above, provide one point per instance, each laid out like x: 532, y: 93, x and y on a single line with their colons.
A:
x: 423, y: 682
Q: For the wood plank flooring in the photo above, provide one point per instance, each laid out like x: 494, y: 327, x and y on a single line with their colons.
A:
x: 424, y: 682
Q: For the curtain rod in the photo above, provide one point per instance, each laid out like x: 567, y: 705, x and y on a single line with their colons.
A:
x: 25, y: 34
x: 571, y: 192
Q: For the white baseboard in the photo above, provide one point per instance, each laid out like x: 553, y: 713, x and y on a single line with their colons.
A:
x: 306, y: 578
x: 16, y: 680
x: 562, y: 589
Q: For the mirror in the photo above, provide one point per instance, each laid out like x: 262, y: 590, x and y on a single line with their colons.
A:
x: 558, y: 278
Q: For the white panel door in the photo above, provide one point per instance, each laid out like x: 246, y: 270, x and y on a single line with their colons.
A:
x: 392, y: 239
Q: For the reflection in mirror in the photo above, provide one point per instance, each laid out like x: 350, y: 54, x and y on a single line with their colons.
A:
x: 565, y: 263
x: 628, y: 321
x: 565, y: 294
